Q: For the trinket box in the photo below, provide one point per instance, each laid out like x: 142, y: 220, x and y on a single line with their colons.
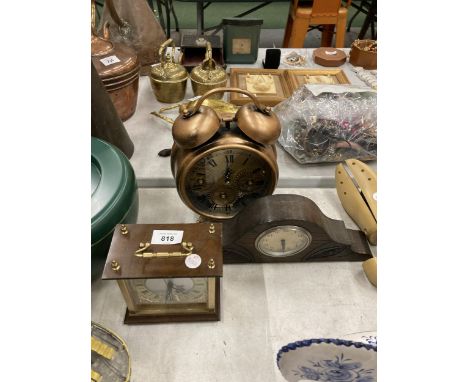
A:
x: 114, y: 198
x: 208, y: 76
x: 168, y: 78
x: 330, y: 57
x: 119, y: 69
x: 364, y: 53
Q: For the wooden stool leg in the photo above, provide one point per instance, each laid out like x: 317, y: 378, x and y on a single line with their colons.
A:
x: 287, y: 32
x: 298, y: 33
x: 341, y: 28
x: 327, y: 35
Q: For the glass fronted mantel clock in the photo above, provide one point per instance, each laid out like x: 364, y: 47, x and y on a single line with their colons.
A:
x: 167, y: 272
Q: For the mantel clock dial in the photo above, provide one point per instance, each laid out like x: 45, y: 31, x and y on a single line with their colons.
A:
x: 289, y: 228
x: 283, y: 241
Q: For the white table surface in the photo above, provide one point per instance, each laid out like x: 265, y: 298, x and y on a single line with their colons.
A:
x: 151, y: 134
x: 263, y: 307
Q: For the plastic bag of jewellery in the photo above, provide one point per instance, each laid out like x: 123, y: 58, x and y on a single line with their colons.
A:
x: 329, y: 123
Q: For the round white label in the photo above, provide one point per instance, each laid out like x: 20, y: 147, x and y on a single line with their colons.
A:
x: 193, y: 261
x: 330, y: 52
x: 375, y: 196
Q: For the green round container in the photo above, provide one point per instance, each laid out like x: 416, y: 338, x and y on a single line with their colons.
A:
x: 114, y: 199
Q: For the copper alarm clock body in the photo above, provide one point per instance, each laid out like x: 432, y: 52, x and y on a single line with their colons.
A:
x: 218, y: 179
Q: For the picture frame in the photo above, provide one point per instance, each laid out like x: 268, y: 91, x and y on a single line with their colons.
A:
x: 299, y: 77
x: 270, y: 86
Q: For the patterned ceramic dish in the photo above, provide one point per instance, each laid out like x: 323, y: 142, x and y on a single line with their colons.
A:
x: 369, y: 338
x: 328, y: 360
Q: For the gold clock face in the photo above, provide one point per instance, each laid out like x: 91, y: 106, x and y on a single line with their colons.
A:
x: 222, y: 182
x: 241, y: 45
x: 283, y: 241
x: 170, y: 291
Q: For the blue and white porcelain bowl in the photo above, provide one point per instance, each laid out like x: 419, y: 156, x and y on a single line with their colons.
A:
x: 328, y: 360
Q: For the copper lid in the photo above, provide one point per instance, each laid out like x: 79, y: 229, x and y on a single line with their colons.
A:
x: 208, y: 72
x: 168, y: 70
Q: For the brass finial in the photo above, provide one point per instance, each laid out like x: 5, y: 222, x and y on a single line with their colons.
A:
x: 212, y: 228
x: 123, y: 229
x: 115, y: 266
x: 211, y: 264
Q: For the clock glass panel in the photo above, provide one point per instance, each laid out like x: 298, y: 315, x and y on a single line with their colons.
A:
x: 283, y: 241
x: 170, y: 291
x: 224, y: 181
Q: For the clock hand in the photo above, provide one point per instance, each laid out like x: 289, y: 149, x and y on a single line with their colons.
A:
x: 170, y: 285
x: 283, y: 244
x: 227, y: 175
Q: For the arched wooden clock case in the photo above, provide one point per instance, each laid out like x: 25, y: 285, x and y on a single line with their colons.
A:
x: 289, y: 228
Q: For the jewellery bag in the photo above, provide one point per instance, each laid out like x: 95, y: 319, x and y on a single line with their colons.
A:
x: 329, y: 123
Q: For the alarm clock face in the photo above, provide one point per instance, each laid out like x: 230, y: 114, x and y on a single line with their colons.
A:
x: 220, y: 183
x: 170, y: 291
x: 283, y: 241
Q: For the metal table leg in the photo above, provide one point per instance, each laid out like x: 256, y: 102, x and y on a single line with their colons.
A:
x: 200, y: 20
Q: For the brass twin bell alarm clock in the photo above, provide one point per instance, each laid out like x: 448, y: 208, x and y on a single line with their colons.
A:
x: 219, y: 165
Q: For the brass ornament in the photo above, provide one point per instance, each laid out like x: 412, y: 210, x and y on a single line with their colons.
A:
x: 224, y: 110
x: 168, y: 78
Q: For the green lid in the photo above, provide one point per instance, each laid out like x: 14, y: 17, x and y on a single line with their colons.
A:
x: 113, y: 188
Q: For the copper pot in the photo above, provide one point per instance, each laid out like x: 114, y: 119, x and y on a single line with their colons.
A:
x: 118, y: 67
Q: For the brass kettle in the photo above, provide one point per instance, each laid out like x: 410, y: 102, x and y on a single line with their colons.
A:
x: 168, y: 78
x: 197, y: 123
x: 208, y: 75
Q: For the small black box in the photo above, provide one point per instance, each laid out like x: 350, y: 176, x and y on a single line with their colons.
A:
x: 272, y: 59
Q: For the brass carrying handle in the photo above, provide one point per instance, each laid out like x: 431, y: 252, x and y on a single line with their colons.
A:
x: 208, y: 63
x: 188, y: 246
x: 188, y: 112
x: 163, y: 48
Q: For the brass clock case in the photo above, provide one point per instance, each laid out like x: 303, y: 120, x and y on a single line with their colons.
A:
x: 183, y: 162
x: 167, y: 272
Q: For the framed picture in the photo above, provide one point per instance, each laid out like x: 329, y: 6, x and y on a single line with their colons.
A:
x: 268, y: 85
x: 299, y: 77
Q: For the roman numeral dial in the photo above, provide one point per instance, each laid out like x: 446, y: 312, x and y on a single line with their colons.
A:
x: 222, y: 182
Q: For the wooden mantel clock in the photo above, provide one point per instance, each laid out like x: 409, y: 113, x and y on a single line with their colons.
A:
x: 167, y: 272
x: 289, y: 228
